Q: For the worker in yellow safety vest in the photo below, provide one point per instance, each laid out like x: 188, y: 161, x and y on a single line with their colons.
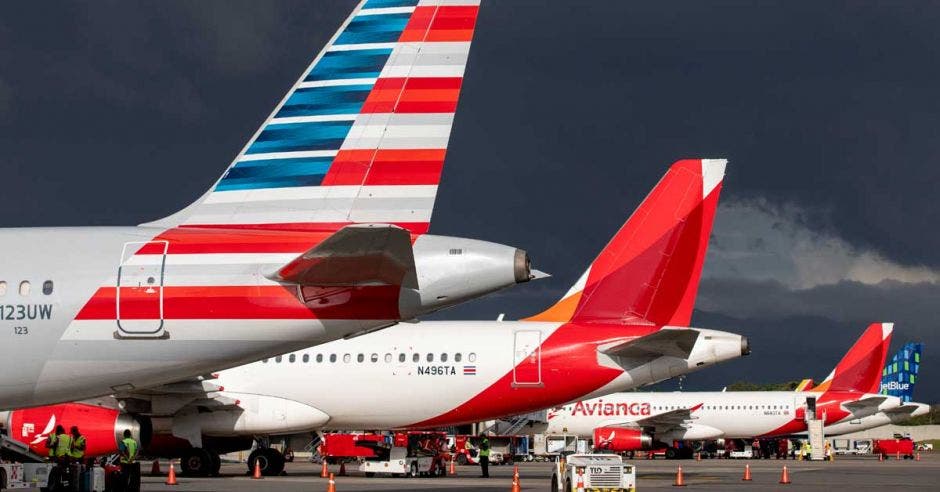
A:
x: 60, y: 446
x: 78, y: 445
x: 130, y: 468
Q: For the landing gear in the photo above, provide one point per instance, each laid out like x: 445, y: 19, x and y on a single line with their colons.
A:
x: 216, y: 463
x: 270, y: 460
x: 198, y: 462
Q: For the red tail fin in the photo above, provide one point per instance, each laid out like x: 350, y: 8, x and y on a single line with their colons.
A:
x: 860, y: 368
x: 649, y: 271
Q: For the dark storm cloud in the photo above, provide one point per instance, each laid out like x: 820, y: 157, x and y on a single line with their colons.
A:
x: 120, y: 112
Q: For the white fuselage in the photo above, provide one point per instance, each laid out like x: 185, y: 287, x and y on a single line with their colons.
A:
x: 730, y: 414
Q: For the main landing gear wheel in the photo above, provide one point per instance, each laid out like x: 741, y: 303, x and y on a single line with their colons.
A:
x: 672, y: 453
x: 413, y: 472
x: 216, y: 463
x: 270, y: 459
x: 196, y: 462
x: 461, y: 459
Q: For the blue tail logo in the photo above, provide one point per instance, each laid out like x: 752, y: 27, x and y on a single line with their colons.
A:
x: 900, y: 374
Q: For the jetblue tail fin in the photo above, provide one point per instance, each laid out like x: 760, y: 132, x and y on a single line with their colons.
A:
x: 649, y: 272
x: 900, y: 374
x: 361, y: 136
x: 860, y: 368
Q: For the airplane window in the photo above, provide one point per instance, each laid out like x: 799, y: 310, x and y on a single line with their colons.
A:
x: 401, y: 357
x: 332, y: 357
x: 319, y: 357
x: 264, y: 361
x: 24, y: 288
x: 388, y: 358
x: 360, y: 358
x: 347, y: 358
x: 306, y: 358
x: 47, y: 288
x: 444, y: 357
x: 291, y: 358
x: 416, y: 357
x: 457, y: 357
x: 278, y: 359
x: 374, y: 358
x: 472, y: 357
x: 430, y: 357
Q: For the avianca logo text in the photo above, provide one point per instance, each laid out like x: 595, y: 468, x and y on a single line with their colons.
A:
x: 610, y: 409
x: 894, y: 385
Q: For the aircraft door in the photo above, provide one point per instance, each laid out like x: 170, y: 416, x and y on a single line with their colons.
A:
x: 527, y: 358
x: 139, y: 290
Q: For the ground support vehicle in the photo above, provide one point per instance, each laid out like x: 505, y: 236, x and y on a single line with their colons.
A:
x: 900, y: 447
x: 605, y: 472
x: 21, y: 468
x: 343, y: 447
x: 410, y: 453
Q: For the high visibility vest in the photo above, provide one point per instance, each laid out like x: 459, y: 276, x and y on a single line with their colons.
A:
x: 129, y: 450
x: 63, y: 445
x: 485, y: 450
x: 78, y: 447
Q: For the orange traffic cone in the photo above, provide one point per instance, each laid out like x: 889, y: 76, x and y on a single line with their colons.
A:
x: 516, y: 486
x: 680, y: 481
x: 453, y: 468
x: 331, y: 486
x: 747, y: 473
x: 171, y: 478
x: 881, y: 456
x: 698, y: 456
x: 898, y: 455
x: 155, y: 469
x: 785, y: 476
x: 917, y: 456
x: 257, y: 473
x: 324, y: 471
x: 342, y: 469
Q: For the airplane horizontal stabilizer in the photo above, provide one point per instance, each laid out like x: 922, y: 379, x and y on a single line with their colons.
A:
x: 356, y: 255
x: 673, y: 342
x: 864, y: 404
x: 903, y: 409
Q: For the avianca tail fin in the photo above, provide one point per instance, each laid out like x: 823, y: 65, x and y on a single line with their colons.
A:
x: 649, y: 272
x: 900, y: 374
x: 860, y: 368
x: 361, y: 136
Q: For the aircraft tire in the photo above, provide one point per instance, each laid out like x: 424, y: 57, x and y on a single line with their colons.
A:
x: 272, y: 461
x: 196, y: 462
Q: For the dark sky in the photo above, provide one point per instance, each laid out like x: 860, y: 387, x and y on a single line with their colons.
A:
x: 120, y: 112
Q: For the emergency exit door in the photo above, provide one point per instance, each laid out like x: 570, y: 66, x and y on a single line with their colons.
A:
x: 139, y: 290
x: 527, y: 358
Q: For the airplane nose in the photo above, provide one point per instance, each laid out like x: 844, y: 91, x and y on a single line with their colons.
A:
x: 745, y: 346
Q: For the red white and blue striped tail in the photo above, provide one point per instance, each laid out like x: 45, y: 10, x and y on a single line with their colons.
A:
x: 361, y: 136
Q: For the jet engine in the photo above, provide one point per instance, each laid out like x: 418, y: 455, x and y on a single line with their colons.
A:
x: 102, y: 427
x: 452, y: 270
x: 619, y: 439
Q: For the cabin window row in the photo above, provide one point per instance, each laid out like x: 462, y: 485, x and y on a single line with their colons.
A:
x: 374, y: 358
x: 26, y: 288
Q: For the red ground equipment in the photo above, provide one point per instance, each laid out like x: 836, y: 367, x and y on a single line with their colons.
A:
x: 890, y: 448
x: 346, y: 447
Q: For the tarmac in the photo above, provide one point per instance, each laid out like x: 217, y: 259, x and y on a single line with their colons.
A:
x: 845, y: 473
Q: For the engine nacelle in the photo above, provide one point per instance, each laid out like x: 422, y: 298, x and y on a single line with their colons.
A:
x: 452, y: 270
x: 619, y: 439
x: 102, y: 427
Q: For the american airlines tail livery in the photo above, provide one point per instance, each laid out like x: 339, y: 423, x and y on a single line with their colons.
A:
x: 637, y: 421
x: 622, y: 325
x: 316, y: 231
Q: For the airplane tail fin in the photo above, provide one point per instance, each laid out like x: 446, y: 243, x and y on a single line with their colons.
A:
x: 649, y: 272
x: 900, y: 374
x: 860, y: 369
x: 805, y: 385
x: 361, y: 136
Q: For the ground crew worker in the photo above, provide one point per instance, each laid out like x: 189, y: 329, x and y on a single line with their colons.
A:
x: 63, y: 446
x: 828, y: 454
x: 78, y: 445
x: 807, y: 451
x: 130, y: 468
x: 485, y: 457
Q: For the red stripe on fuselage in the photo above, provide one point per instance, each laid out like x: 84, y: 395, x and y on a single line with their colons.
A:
x: 245, y: 302
x: 569, y: 372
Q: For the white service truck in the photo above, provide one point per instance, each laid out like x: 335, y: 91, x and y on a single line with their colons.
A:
x: 583, y: 472
x: 24, y: 470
